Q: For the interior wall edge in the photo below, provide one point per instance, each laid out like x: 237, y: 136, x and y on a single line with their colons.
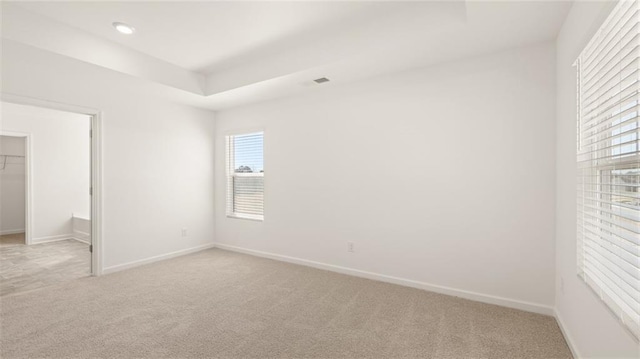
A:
x: 566, y: 334
x: 47, y: 239
x: 149, y: 260
x: 12, y: 231
x: 461, y: 293
x: 80, y: 239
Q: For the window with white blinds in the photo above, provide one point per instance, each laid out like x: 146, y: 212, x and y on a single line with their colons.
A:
x: 609, y: 164
x: 245, y: 176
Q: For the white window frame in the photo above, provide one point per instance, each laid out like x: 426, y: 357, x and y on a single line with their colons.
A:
x: 231, y: 175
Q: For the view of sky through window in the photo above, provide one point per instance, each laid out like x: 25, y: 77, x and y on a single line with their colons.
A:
x: 248, y: 150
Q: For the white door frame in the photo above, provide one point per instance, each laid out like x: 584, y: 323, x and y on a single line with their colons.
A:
x: 27, y: 180
x: 96, y: 170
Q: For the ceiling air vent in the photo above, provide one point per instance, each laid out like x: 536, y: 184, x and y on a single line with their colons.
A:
x: 321, y: 80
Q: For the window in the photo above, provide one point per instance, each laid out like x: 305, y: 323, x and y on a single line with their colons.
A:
x: 609, y: 164
x: 245, y: 176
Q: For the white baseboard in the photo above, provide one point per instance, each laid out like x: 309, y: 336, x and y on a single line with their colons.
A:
x: 567, y: 336
x: 82, y: 236
x: 59, y: 237
x: 12, y: 231
x: 120, y: 267
x: 479, y: 297
x: 85, y: 241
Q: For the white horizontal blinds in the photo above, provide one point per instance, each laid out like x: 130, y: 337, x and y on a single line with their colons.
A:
x: 245, y: 175
x: 609, y: 163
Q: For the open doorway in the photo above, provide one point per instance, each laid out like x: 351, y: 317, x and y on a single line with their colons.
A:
x: 13, y: 190
x: 45, y: 207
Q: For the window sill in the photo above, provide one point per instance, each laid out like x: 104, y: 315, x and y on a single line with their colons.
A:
x: 247, y: 217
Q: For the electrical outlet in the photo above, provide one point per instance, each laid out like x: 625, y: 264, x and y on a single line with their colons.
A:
x: 184, y: 232
x: 349, y: 246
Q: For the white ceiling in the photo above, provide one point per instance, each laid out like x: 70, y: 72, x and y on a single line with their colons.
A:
x: 235, y: 47
x: 202, y: 35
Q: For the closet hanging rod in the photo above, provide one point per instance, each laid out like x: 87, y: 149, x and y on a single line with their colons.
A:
x: 5, y: 163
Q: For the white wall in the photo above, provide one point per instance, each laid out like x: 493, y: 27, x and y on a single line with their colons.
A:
x: 157, y: 167
x: 60, y: 164
x: 12, y: 186
x: 443, y: 175
x: 592, y: 328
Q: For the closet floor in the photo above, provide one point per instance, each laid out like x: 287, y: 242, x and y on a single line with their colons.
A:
x: 25, y: 268
x: 8, y: 240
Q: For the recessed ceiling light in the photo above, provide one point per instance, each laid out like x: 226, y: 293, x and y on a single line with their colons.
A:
x: 124, y: 28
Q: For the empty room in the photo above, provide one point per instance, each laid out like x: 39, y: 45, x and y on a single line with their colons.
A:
x: 320, y: 179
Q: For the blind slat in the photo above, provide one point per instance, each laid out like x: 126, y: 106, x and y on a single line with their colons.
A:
x: 596, y: 49
x: 245, y: 175
x: 608, y: 161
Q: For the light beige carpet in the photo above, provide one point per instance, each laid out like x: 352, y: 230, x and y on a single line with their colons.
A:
x: 24, y: 268
x: 219, y: 304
